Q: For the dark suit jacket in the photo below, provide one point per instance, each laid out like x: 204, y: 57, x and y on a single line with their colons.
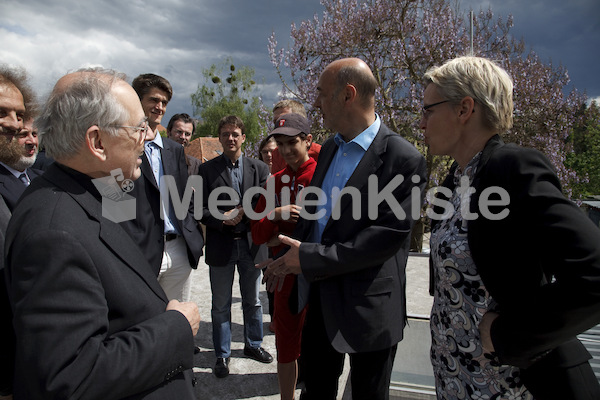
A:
x: 7, y: 345
x: 193, y: 164
x: 11, y: 188
x: 541, y: 263
x: 148, y: 228
x: 90, y: 316
x: 214, y: 173
x: 360, y: 264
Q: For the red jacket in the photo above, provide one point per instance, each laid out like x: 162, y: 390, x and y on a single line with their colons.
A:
x: 263, y: 230
x: 279, y: 162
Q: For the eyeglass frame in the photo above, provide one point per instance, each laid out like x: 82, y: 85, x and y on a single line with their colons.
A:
x: 427, y: 107
x: 234, y: 135
x: 143, y: 129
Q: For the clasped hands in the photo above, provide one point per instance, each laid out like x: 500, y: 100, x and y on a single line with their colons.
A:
x: 289, y: 263
x: 233, y: 216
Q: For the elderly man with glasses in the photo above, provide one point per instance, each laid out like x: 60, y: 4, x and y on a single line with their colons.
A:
x: 90, y: 319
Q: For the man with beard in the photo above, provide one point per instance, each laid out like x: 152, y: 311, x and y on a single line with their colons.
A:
x: 16, y: 104
x: 18, y: 150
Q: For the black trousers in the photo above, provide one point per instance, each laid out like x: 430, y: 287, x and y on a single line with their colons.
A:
x: 553, y: 378
x: 370, y: 372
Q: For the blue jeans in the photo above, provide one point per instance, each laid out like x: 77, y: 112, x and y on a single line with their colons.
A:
x: 221, y: 283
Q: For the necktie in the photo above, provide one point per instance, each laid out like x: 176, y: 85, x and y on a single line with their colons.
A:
x: 24, y: 179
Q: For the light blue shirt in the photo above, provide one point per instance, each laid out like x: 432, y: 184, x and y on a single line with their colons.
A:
x: 342, y: 167
x: 236, y: 171
x: 153, y: 152
x: 18, y: 174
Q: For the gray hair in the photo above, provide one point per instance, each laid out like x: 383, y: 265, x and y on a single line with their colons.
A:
x: 481, y: 79
x: 17, y: 76
x: 70, y: 111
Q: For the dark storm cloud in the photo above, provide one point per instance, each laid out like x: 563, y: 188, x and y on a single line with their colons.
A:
x: 178, y: 38
x: 564, y: 33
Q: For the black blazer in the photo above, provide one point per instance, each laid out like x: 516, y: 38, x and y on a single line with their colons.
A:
x: 89, y: 314
x: 7, y: 345
x: 11, y: 188
x: 541, y: 263
x: 214, y: 173
x: 193, y: 164
x: 148, y: 228
x: 360, y: 264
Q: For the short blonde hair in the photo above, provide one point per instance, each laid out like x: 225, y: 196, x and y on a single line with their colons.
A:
x: 294, y: 105
x: 481, y: 79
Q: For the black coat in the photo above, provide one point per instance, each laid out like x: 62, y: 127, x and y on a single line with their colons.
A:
x: 11, y: 189
x: 89, y: 314
x: 361, y: 263
x: 148, y: 228
x: 214, y: 173
x: 541, y: 263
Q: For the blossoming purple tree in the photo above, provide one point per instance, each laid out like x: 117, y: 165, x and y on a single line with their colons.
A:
x: 401, y: 39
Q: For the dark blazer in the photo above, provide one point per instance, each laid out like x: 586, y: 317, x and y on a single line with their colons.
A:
x: 90, y: 316
x: 360, y: 264
x: 214, y: 173
x: 541, y: 263
x: 7, y: 345
x: 11, y: 188
x: 193, y: 164
x: 148, y: 228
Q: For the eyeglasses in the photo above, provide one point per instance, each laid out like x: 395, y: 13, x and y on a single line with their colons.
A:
x: 427, y: 107
x: 234, y: 135
x: 142, y: 129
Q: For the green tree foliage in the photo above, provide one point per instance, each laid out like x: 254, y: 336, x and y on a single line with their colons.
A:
x: 585, y: 158
x: 228, y: 90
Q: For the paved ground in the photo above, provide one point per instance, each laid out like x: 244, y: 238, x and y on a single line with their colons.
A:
x: 252, y: 380
x: 249, y: 379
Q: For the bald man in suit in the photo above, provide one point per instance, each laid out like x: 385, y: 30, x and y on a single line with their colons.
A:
x: 354, y: 264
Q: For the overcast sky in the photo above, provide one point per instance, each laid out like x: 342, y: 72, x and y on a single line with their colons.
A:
x: 177, y: 38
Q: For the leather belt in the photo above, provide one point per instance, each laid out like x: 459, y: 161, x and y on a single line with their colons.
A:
x: 170, y: 236
x: 238, y: 235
